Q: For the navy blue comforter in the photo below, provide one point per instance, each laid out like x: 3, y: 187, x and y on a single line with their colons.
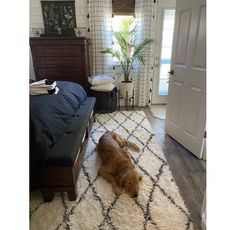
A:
x: 50, y: 115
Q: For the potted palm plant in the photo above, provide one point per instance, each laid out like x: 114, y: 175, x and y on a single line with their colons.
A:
x: 129, y: 50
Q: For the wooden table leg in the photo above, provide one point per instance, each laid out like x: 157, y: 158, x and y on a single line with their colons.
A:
x: 47, y: 196
x: 72, y: 194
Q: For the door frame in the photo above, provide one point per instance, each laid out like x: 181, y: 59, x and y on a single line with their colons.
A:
x: 162, y: 5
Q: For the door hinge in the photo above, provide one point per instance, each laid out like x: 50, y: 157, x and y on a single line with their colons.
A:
x: 205, y: 134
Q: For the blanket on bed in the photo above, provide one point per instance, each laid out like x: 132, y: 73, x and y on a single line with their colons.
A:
x: 50, y: 115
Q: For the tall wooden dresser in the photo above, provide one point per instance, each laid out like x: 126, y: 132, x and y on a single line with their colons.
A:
x: 60, y: 58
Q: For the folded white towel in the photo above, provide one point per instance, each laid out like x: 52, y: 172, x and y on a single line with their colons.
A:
x: 103, y: 88
x: 101, y: 79
x: 43, y: 87
x: 44, y: 91
x: 47, y: 87
x: 38, y: 91
x: 43, y: 84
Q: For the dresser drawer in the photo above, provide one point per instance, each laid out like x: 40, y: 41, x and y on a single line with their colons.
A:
x: 60, y: 62
x: 61, y: 58
x: 58, y: 51
x: 70, y: 74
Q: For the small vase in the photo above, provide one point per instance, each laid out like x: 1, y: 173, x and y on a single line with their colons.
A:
x: 126, y: 87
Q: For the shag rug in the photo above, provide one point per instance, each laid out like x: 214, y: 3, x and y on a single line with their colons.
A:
x: 158, y: 206
x: 158, y: 111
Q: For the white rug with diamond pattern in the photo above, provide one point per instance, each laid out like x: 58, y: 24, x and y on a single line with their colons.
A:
x: 158, y: 206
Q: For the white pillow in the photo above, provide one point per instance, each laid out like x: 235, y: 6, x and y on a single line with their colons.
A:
x: 101, y: 79
x: 103, y: 88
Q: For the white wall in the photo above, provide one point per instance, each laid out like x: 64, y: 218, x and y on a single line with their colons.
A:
x: 31, y: 68
x: 36, y: 18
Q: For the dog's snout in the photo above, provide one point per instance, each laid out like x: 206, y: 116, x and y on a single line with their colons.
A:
x: 135, y: 195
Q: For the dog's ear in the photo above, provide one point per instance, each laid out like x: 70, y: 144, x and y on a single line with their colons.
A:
x: 119, y: 139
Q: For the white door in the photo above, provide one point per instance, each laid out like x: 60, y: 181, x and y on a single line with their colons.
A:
x: 164, y: 35
x: 186, y: 107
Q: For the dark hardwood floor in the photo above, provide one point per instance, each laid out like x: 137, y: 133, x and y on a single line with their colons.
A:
x: 188, y: 171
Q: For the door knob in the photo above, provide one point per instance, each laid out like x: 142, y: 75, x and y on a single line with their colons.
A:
x: 171, y: 72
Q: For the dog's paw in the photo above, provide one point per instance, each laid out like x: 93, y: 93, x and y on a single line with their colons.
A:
x: 117, y: 190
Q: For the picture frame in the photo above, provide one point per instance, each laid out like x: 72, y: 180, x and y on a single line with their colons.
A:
x: 80, y: 31
x: 59, y: 18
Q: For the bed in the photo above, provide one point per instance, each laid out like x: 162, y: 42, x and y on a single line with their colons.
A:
x: 59, y: 129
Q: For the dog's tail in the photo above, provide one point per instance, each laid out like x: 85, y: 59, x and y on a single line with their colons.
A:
x: 132, y: 146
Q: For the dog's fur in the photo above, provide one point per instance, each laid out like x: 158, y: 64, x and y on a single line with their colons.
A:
x: 117, y: 166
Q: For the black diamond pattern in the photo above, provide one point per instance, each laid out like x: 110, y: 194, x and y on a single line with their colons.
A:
x: 121, y: 122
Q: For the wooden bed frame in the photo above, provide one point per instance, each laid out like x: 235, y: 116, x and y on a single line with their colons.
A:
x: 63, y: 179
x: 63, y: 58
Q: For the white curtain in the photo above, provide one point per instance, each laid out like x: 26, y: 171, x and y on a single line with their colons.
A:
x: 100, y: 27
x: 142, y: 79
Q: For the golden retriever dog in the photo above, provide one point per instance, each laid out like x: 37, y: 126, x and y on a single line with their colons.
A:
x: 117, y: 166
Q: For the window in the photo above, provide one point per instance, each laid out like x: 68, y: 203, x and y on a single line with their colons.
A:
x: 166, y: 47
x: 116, y: 21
